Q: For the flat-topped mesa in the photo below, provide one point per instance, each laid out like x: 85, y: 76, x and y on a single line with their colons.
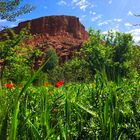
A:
x: 64, y: 33
x: 55, y: 25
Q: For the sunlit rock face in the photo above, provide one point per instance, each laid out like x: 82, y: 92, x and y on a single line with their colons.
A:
x: 64, y: 33
x: 55, y: 25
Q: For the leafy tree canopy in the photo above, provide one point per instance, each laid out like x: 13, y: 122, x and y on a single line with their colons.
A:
x: 52, y: 58
x: 10, y: 9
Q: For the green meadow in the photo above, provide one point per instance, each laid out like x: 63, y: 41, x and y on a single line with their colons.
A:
x: 93, y: 96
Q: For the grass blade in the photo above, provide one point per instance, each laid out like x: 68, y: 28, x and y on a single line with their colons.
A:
x: 4, y: 128
x: 34, y: 130
x: 31, y: 79
x: 87, y: 110
x: 14, y: 122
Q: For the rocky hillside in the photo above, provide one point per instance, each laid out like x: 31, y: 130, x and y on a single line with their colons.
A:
x: 64, y: 33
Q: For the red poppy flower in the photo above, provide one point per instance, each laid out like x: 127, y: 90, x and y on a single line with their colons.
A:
x: 59, y: 83
x: 8, y: 85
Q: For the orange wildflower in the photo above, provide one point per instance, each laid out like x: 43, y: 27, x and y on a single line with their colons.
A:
x: 8, y: 85
x: 46, y: 84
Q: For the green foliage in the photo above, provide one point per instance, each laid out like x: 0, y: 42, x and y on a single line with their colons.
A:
x: 40, y: 79
x: 136, y: 58
x: 122, y: 57
x: 14, y: 58
x: 49, y: 71
x: 15, y: 107
x: 10, y: 9
x: 100, y: 110
x: 55, y: 74
x: 52, y: 58
x: 95, y: 53
x: 111, y: 53
x: 75, y: 71
x: 17, y: 62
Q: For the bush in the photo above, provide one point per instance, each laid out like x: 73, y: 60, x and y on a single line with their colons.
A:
x: 52, y: 59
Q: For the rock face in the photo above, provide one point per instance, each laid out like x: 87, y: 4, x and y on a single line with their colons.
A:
x: 64, y: 33
x: 55, y: 25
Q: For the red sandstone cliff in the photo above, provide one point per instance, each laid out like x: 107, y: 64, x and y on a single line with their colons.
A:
x: 55, y: 25
x: 64, y: 33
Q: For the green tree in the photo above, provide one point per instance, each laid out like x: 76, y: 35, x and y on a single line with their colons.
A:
x: 95, y: 52
x: 122, y: 58
x: 52, y: 58
x: 111, y: 53
x: 11, y: 55
x: 10, y: 9
x: 17, y: 69
x: 136, y: 58
x: 122, y: 45
x: 49, y: 70
x: 74, y: 70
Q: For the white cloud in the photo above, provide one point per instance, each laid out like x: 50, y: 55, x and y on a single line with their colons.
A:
x: 111, y: 21
x: 62, y: 3
x: 130, y: 13
x: 136, y: 34
x: 92, y: 13
x: 2, y: 20
x: 13, y: 25
x: 102, y: 23
x: 127, y: 24
x: 117, y: 27
x: 83, y: 7
x: 19, y: 20
x: 110, y: 2
x: 82, y: 4
x: 117, y: 19
x: 96, y: 18
x: 106, y: 22
x: 104, y: 32
x: 113, y: 30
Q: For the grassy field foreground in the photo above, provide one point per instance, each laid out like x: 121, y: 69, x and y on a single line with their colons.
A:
x: 101, y: 110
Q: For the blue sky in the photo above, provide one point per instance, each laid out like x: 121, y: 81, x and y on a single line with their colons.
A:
x: 99, y: 14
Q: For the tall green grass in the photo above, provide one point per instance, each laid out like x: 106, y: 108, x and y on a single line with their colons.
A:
x: 101, y: 110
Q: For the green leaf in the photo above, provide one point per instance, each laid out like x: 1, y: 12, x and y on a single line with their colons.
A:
x: 14, y: 123
x: 34, y: 130
x: 87, y: 110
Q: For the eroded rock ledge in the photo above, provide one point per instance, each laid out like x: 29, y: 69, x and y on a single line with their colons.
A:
x: 64, y: 33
